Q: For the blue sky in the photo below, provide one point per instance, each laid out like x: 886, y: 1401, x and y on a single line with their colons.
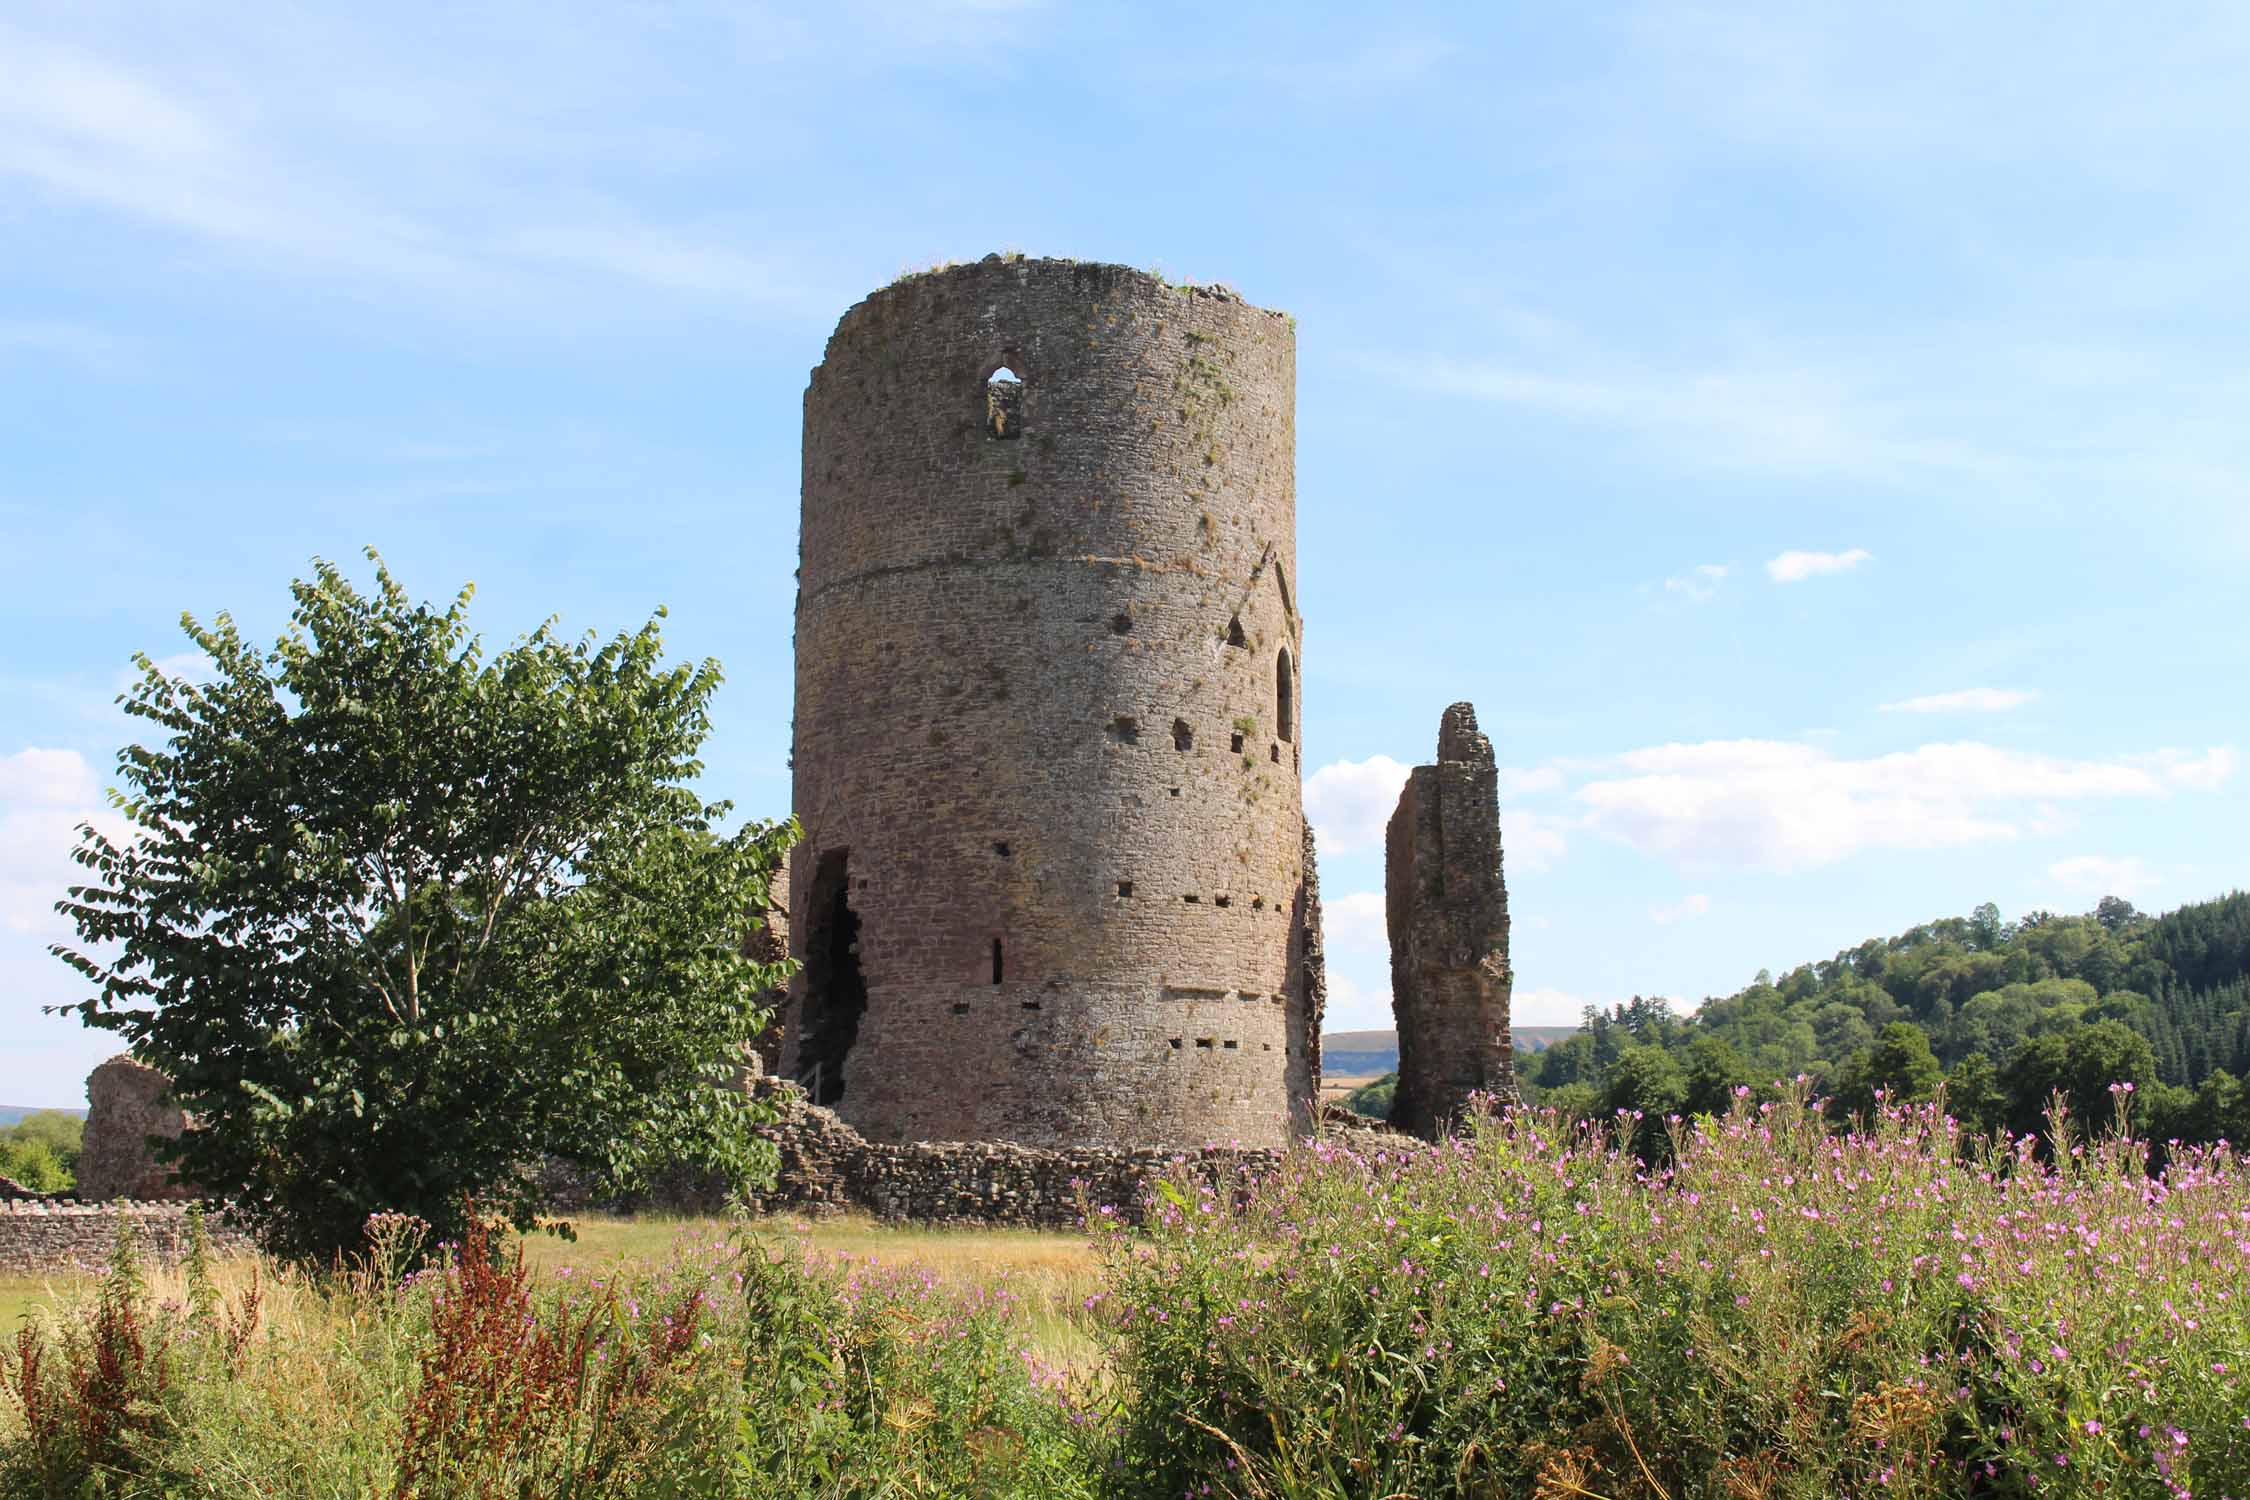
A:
x: 1811, y: 437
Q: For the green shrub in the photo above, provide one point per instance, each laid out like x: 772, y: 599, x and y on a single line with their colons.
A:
x: 35, y: 1165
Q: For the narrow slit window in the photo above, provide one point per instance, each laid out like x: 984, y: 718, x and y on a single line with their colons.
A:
x: 1003, y: 404
x: 1183, y: 738
x: 1284, y: 697
x: 996, y: 969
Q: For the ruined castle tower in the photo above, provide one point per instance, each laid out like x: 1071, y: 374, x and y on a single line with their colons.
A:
x: 1447, y: 909
x: 1052, y: 884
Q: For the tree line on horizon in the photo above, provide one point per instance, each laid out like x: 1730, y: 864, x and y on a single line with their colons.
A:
x: 2003, y: 1015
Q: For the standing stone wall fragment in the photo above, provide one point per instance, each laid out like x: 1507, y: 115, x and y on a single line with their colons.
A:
x: 128, y: 1102
x: 1447, y: 912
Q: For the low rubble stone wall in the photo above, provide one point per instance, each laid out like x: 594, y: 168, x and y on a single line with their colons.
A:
x: 40, y: 1235
x: 828, y: 1167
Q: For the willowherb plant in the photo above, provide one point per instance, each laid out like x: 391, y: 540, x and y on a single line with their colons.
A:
x: 1780, y: 1312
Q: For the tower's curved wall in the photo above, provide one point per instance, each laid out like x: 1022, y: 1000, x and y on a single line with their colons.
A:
x: 1050, y: 888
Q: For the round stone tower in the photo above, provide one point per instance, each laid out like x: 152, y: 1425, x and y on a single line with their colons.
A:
x: 1052, y: 887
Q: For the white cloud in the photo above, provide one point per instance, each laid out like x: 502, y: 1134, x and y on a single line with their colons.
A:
x: 1694, y: 906
x: 1796, y: 567
x: 1546, y: 1007
x: 1355, y: 921
x: 1350, y: 802
x: 1698, y: 585
x: 1530, y: 840
x: 1788, y: 806
x: 45, y: 778
x: 1530, y: 782
x: 44, y: 796
x: 2202, y: 773
x: 2095, y: 875
x: 1355, y: 1007
x: 1967, y: 700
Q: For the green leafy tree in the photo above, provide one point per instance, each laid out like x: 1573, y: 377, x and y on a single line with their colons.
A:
x: 61, y: 1132
x: 1373, y: 1098
x: 1900, y: 1066
x: 1974, y: 1096
x: 1646, y: 1087
x: 401, y: 920
x: 34, y: 1165
x: 2081, y: 1064
x: 1714, y: 1071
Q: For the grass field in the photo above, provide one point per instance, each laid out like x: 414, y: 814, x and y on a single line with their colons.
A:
x: 1053, y: 1273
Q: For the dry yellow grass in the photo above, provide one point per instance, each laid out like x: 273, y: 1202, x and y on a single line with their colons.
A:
x: 1053, y: 1273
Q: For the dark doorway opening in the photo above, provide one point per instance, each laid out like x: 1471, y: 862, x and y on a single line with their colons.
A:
x: 835, y: 990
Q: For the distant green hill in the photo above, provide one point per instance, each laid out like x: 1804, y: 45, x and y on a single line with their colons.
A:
x: 2007, y: 1013
x: 1369, y: 1054
x: 10, y: 1113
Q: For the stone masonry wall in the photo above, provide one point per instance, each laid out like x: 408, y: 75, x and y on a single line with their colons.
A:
x: 39, y: 1235
x: 828, y: 1167
x: 1048, y: 728
x: 1447, y: 912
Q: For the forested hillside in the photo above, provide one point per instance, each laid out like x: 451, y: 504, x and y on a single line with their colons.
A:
x: 2004, y: 1013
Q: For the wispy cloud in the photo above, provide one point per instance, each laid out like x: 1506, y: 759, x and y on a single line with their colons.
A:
x: 1796, y: 567
x: 93, y: 348
x: 1680, y: 911
x: 1699, y: 584
x: 2201, y: 771
x: 1783, y: 419
x: 221, y: 159
x: 2093, y: 875
x: 1967, y: 700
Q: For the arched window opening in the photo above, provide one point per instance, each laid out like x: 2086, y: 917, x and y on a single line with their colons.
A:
x: 1235, y: 637
x: 1284, y: 696
x: 1003, y: 404
x: 1183, y: 738
x: 996, y: 969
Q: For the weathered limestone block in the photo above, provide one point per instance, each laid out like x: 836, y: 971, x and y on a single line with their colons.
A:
x: 128, y: 1102
x: 1448, y: 919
